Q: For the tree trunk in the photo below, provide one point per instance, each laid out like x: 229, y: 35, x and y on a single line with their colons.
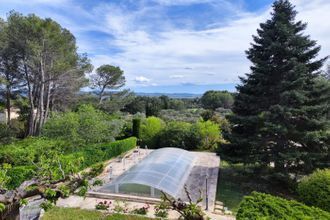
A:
x: 101, y: 95
x: 50, y: 84
x: 8, y: 103
x: 31, y: 98
x: 41, y: 97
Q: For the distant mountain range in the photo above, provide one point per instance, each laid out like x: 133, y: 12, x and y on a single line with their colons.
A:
x: 171, y: 95
x: 154, y: 94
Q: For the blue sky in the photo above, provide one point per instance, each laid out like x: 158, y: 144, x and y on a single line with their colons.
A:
x: 171, y: 45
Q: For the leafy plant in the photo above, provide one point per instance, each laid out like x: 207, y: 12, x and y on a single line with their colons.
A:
x: 97, y: 182
x: 161, y: 209
x: 103, y: 205
x: 141, y: 211
x: 82, y: 191
x: 188, y: 211
x: 120, y: 207
x: 314, y: 190
x: 23, y: 202
x: 4, y: 178
x: 47, y: 205
x: 96, y: 169
x: 265, y: 206
x: 50, y: 194
x: 65, y: 190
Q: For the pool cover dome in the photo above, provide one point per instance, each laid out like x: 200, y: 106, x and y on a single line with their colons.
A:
x: 165, y: 169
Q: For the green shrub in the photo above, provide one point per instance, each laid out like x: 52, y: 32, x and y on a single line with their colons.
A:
x: 50, y: 195
x: 176, y: 134
x: 82, y: 191
x: 314, y: 189
x: 7, y: 135
x: 150, y: 130
x: 21, y: 154
x: 263, y: 206
x: 87, y: 125
x: 206, y: 135
x: 18, y: 174
x: 65, y: 190
x: 136, y: 127
x: 47, y: 205
x: 103, y: 205
x: 25, y: 151
x: 96, y: 153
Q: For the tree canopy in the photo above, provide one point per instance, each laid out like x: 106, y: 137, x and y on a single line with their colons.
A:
x: 280, y: 109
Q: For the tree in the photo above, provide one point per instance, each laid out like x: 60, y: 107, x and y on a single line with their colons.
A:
x: 280, y: 110
x: 117, y: 101
x: 217, y: 99
x: 150, y: 130
x: 107, y: 77
x: 207, y: 134
x: 10, y: 78
x: 44, y: 55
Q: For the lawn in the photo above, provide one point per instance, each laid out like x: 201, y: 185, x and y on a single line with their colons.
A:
x: 235, y: 181
x: 229, y: 190
x: 74, y: 213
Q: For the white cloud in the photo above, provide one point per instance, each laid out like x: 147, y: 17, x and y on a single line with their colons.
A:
x: 176, y: 76
x: 167, y: 52
x: 141, y: 79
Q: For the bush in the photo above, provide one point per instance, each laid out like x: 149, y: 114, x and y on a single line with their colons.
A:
x: 141, y: 211
x: 136, y: 127
x: 314, y: 189
x: 7, y: 135
x: 150, y: 130
x: 18, y: 174
x: 87, y: 125
x: 103, y: 205
x: 206, y: 135
x: 216, y: 99
x: 176, y: 134
x: 96, y: 153
x: 264, y: 206
x: 65, y: 190
x: 21, y: 154
x: 25, y: 151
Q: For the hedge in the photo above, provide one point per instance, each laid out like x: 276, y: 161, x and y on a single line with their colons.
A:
x: 264, y: 206
x: 315, y: 189
x: 96, y: 153
x: 28, y: 150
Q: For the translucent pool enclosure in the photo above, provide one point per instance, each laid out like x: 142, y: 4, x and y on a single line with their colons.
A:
x: 165, y: 169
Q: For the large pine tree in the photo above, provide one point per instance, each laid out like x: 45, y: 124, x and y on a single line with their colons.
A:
x: 280, y: 110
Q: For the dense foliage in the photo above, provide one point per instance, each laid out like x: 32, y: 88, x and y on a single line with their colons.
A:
x: 202, y: 135
x: 314, y: 190
x: 86, y: 125
x: 264, y: 206
x: 28, y: 156
x: 280, y: 111
x: 217, y: 99
x: 150, y: 130
x: 39, y: 58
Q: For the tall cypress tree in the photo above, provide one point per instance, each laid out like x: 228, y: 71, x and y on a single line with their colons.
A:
x: 280, y: 110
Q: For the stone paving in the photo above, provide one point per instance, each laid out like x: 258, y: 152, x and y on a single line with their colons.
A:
x: 206, y: 167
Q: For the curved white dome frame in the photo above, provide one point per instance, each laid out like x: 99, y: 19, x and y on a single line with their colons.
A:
x: 165, y: 169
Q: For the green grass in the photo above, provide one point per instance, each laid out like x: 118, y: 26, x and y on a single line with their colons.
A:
x: 235, y: 181
x: 74, y: 213
x: 229, y: 190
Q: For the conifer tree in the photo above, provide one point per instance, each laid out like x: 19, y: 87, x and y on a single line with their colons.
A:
x: 280, y: 110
